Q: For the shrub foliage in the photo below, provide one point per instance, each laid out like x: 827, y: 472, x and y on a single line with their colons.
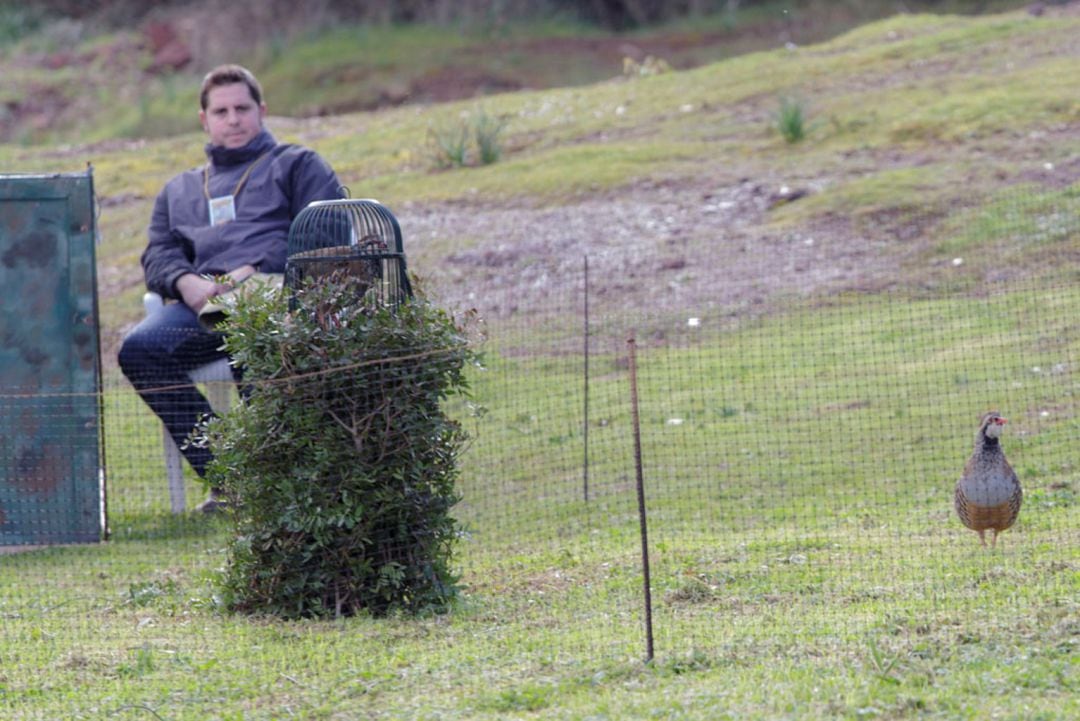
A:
x: 341, y: 461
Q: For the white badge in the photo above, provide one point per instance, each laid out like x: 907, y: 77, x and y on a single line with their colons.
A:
x: 222, y: 209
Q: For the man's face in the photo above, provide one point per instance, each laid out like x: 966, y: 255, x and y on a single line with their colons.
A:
x: 232, y: 117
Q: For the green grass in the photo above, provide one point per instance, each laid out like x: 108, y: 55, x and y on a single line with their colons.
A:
x: 806, y: 562
x: 1021, y: 223
x: 791, y: 120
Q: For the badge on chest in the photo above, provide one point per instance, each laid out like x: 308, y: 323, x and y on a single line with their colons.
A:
x: 222, y: 209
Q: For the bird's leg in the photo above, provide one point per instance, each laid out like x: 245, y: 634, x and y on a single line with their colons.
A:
x: 993, y: 539
x: 982, y: 538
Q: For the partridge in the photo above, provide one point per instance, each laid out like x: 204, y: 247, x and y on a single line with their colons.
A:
x: 988, y: 494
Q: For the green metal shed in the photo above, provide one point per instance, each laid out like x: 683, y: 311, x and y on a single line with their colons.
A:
x: 52, y: 479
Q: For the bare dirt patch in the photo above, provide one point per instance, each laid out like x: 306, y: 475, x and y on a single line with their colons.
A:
x: 690, y: 247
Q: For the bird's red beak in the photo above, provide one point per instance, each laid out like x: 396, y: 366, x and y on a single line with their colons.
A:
x: 1000, y: 421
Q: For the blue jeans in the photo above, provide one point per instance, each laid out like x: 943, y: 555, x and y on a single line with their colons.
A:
x: 156, y: 357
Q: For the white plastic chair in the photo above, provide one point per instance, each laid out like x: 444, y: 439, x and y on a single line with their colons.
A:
x: 217, y: 378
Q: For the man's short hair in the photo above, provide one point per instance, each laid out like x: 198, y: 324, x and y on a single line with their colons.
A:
x: 228, y: 75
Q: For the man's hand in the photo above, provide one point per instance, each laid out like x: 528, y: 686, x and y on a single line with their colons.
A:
x: 239, y: 275
x: 195, y: 290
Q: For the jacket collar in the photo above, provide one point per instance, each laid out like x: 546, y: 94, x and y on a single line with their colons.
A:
x: 221, y: 156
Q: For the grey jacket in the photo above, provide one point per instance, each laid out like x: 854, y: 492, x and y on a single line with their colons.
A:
x: 283, y: 179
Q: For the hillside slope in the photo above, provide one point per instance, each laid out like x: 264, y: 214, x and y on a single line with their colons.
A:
x: 124, y: 69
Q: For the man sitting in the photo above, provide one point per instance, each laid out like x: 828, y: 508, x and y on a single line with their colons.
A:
x: 228, y: 218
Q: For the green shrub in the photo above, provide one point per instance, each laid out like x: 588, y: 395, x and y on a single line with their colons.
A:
x: 340, y: 460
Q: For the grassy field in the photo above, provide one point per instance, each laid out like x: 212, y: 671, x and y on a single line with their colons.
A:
x: 800, y: 439
x: 802, y: 568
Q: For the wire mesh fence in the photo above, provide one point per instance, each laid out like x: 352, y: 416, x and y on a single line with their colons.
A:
x: 799, y: 467
x: 798, y: 457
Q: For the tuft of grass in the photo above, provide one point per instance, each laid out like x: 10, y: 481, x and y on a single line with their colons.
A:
x: 487, y: 131
x: 449, y: 144
x: 455, y: 143
x: 140, y: 664
x: 528, y: 698
x: 791, y: 120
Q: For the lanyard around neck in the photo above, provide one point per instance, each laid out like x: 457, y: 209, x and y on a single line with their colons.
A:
x: 239, y: 184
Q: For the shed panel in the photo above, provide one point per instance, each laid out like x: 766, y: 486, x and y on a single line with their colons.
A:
x: 51, y: 470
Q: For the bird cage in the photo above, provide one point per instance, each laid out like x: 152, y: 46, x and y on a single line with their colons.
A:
x: 358, y: 239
